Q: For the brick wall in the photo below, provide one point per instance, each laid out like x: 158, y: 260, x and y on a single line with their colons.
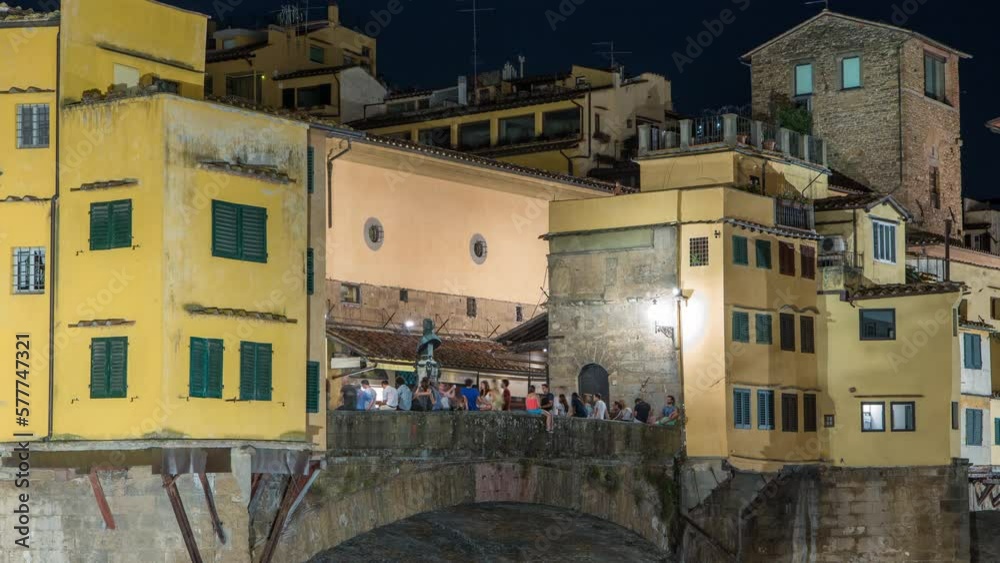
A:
x: 380, y: 304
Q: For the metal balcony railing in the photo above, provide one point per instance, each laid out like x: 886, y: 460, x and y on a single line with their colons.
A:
x: 705, y: 130
x: 794, y: 214
x: 846, y: 259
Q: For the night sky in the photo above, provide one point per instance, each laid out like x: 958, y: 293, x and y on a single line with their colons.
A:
x: 429, y: 43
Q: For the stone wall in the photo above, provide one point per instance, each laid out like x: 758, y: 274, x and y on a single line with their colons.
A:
x: 380, y: 305
x: 66, y: 523
x: 601, y: 287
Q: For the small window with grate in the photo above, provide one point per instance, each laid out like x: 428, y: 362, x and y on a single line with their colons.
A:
x: 404, y: 295
x: 28, y: 270
x: 518, y: 313
x: 699, y: 251
x: 470, y: 306
x: 32, y: 126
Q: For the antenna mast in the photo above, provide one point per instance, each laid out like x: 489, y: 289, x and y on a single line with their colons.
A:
x: 610, y: 53
x: 475, y: 39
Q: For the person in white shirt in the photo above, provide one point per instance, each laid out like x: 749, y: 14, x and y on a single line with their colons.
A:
x: 391, y: 397
x: 600, y: 408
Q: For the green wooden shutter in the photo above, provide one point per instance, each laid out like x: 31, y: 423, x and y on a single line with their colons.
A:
x: 225, y: 230
x: 98, y: 368
x: 763, y: 328
x: 970, y: 428
x: 311, y: 174
x: 213, y: 384
x: 253, y: 233
x: 310, y: 272
x: 741, y: 408
x: 996, y: 431
x: 248, y: 354
x: 118, y: 367
x: 741, y: 326
x: 763, y: 254
x: 100, y: 226
x: 262, y: 391
x: 121, y: 224
x: 197, y: 374
x: 741, y: 254
x: 312, y: 387
x: 765, y: 410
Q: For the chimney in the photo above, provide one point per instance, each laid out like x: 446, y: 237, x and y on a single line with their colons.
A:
x: 333, y: 12
x: 463, y: 91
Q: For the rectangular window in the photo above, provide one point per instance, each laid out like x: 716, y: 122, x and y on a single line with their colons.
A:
x: 561, y: 124
x: 699, y: 251
x: 514, y: 130
x: 807, y: 334
x: 878, y: 324
x: 28, y: 270
x: 884, y: 235
x: 474, y: 135
x: 244, y: 86
x: 239, y: 232
x: 808, y: 254
x: 873, y: 417
x: 934, y: 80
x: 763, y: 328
x: 763, y: 254
x: 205, y: 371
x: 32, y: 125
x: 741, y: 251
x: 995, y: 308
x: 111, y: 224
x: 954, y: 415
x: 789, y: 412
x: 518, y: 314
x: 804, y: 79
x: 127, y: 75
x: 350, y: 293
x: 996, y: 431
x: 317, y: 54
x: 435, y: 137
x: 209, y: 85
x: 310, y: 272
x: 312, y: 387
x: 850, y: 72
x: 973, y: 351
x: 808, y: 412
x: 311, y: 169
x: 470, y: 306
x: 786, y: 258
x: 404, y: 295
x: 973, y: 427
x: 314, y: 96
x: 255, y: 371
x: 288, y: 98
x: 935, y: 183
x: 765, y: 410
x: 741, y: 409
x: 828, y: 420
x: 108, y: 368
x: 741, y: 326
x: 787, y: 331
x: 903, y: 417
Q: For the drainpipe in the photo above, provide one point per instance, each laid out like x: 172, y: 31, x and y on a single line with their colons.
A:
x: 330, y: 157
x: 854, y: 243
x: 54, y: 240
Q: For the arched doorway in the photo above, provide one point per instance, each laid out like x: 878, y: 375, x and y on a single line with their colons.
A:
x: 593, y: 379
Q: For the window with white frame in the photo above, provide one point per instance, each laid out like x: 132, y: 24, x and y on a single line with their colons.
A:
x: 32, y: 126
x: 884, y: 235
x: 29, y: 270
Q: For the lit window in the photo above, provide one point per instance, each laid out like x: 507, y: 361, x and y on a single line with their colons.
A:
x: 884, y: 235
x: 29, y: 270
x: 903, y: 417
x: 873, y: 417
x: 850, y: 72
x: 934, y: 77
x: 804, y: 79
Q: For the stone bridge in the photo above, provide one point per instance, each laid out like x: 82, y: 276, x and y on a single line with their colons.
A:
x: 383, y: 467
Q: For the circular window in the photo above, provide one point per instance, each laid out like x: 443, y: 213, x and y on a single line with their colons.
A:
x: 478, y: 249
x: 374, y: 233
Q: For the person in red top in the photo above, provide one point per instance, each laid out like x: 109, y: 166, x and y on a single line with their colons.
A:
x: 532, y: 404
x: 506, y: 394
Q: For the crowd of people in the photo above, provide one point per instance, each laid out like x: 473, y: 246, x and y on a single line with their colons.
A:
x: 470, y: 397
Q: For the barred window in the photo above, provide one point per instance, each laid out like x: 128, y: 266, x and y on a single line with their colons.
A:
x: 32, y: 126
x: 699, y: 251
x: 29, y: 270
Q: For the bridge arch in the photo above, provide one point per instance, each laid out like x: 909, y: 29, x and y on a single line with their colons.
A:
x: 383, y: 467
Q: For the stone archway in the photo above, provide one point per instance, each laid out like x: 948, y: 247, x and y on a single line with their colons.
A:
x: 594, y: 379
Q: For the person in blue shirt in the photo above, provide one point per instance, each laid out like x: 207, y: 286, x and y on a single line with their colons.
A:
x: 471, y: 395
x: 405, y: 394
x: 366, y: 396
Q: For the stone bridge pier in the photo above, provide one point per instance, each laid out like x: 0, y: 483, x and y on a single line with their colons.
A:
x: 383, y: 467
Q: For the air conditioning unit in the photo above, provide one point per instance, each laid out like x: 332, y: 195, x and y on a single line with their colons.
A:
x: 832, y: 245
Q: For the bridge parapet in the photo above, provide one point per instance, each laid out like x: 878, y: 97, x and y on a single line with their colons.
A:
x: 490, y: 436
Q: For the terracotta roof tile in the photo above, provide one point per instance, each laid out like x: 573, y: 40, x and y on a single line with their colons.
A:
x: 976, y: 325
x: 240, y: 52
x: 313, y: 72
x: 105, y: 184
x: 261, y: 172
x: 904, y: 290
x: 842, y: 182
x: 96, y: 323
x: 253, y: 315
x: 401, y: 347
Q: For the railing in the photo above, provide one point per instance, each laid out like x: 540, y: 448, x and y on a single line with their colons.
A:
x: 705, y: 130
x: 926, y: 265
x: 770, y: 137
x: 745, y: 131
x: 817, y: 150
x: 793, y: 214
x: 795, y: 145
x: 846, y: 259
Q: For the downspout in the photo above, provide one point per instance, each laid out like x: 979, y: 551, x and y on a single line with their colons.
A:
x: 54, y: 240
x: 854, y: 243
x: 330, y: 157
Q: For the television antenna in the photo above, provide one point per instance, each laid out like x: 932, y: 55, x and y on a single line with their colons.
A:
x: 610, y: 52
x: 825, y: 3
x: 475, y: 38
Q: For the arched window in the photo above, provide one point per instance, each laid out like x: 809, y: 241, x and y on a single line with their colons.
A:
x: 593, y: 379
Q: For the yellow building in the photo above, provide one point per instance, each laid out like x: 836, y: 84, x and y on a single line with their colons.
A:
x: 183, y: 271
x: 795, y: 316
x: 582, y: 122
x: 301, y: 62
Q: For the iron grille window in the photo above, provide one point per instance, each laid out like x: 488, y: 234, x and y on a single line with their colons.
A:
x: 699, y: 251
x: 470, y: 306
x: 765, y: 410
x: 808, y: 412
x: 32, y: 126
x: 763, y: 328
x: 741, y: 326
x: 255, y: 371
x: 108, y: 368
x: 205, y: 374
x: 786, y: 258
x: 789, y: 412
x: 28, y: 270
x: 808, y: 254
x: 787, y: 330
x: 741, y: 409
x: 741, y: 252
x: 808, y: 335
